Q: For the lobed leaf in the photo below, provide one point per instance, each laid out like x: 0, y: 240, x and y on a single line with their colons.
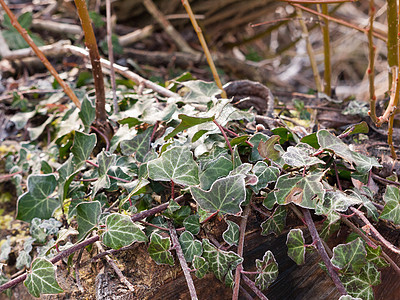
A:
x: 349, y: 257
x: 295, y: 244
x: 275, y: 223
x: 391, y: 211
x: 190, y: 246
x: 231, y: 234
x: 159, y: 249
x: 201, y: 266
x: 267, y: 270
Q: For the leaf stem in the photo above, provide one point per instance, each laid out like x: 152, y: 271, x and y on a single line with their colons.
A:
x: 182, y: 261
x: 239, y: 267
x: 322, y: 252
x: 226, y: 138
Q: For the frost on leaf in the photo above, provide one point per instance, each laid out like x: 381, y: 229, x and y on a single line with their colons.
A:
x: 268, y: 270
x: 391, y: 211
x: 295, y: 244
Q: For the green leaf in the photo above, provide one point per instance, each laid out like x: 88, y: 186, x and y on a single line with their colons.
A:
x: 139, y: 145
x: 105, y: 161
x: 348, y: 297
x: 186, y: 123
x: 23, y: 260
x: 302, y: 191
x: 265, y: 148
x: 190, y: 246
x: 295, y: 244
x: 159, y: 249
x: 201, y: 266
x: 374, y: 256
x: 365, y: 195
x: 391, y: 211
x: 301, y: 156
x: 214, y: 169
x: 123, y: 133
x: 82, y: 147
x: 42, y: 278
x: 328, y: 229
x: 360, y: 285
x: 361, y: 127
x: 200, y: 91
x: 349, y: 257
x: 231, y: 234
x: 192, y: 224
x: 121, y: 231
x: 265, y: 175
x: 176, y: 164
x: 87, y: 113
x: 328, y: 141
x: 267, y: 270
x: 5, y: 249
x: 220, y: 262
x: 275, y: 223
x: 365, y: 163
x: 226, y: 195
x: 333, y: 202
x: 37, y: 201
x: 87, y: 214
x: 66, y: 172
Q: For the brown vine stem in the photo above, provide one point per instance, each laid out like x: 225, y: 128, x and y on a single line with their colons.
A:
x: 40, y: 54
x: 371, y: 67
x: 252, y: 285
x: 117, y: 271
x: 327, y: 49
x: 385, y: 242
x: 239, y: 268
x: 90, y: 42
x: 111, y: 55
x: 321, y: 250
x: 182, y: 261
x: 370, y: 242
x: 203, y: 43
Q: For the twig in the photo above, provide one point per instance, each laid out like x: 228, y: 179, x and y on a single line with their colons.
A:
x: 204, y: 46
x: 371, y: 243
x: 387, y: 181
x: 103, y: 136
x: 375, y: 231
x: 245, y: 293
x: 125, y: 72
x: 252, y: 285
x: 167, y: 26
x: 111, y: 55
x: 40, y: 54
x: 239, y: 267
x: 322, y: 252
x: 371, y: 67
x: 182, y: 261
x: 135, y: 36
x: 109, y: 260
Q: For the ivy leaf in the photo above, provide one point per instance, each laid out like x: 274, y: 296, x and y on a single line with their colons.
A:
x: 123, y: 133
x: 23, y: 260
x: 139, y: 145
x: 225, y: 195
x: 5, y: 249
x: 374, y: 256
x: 391, y: 211
x: 201, y: 266
x: 159, y: 249
x: 192, y: 224
x: 213, y: 170
x: 121, y: 231
x: 361, y: 127
x: 82, y: 147
x: 267, y: 269
x: 295, y: 244
x: 66, y: 172
x: 365, y: 163
x: 42, y: 278
x: 360, y: 285
x: 328, y: 141
x: 87, y: 215
x: 328, y: 229
x: 176, y: 164
x: 186, y: 123
x: 105, y: 161
x: 302, y: 191
x: 275, y: 223
x: 220, y: 261
x: 256, y: 140
x: 265, y: 175
x: 87, y: 113
x: 348, y: 297
x: 266, y: 149
x: 200, y: 91
x: 190, y: 246
x: 37, y: 201
x: 301, y: 156
x: 349, y: 257
x: 231, y: 234
x: 367, y: 203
